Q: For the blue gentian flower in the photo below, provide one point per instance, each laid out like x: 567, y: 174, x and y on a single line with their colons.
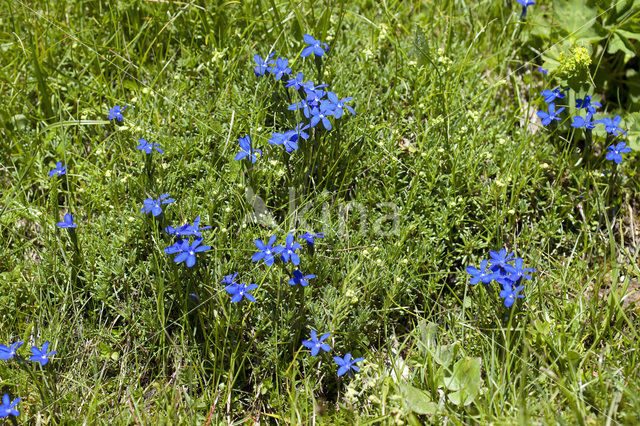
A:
x: 68, y: 222
x: 41, y: 355
x: 542, y: 70
x: 289, y: 140
x: 510, y: 293
x: 611, y: 126
x: 515, y: 272
x: 178, y: 247
x: 525, y: 4
x: 8, y: 408
x: 194, y: 297
x: 59, y: 170
x: 310, y: 86
x: 230, y: 279
x: 314, y: 97
x: 347, y: 364
x: 238, y: 291
x: 266, y: 251
x: 262, y: 67
x: 280, y: 68
x: 308, y: 237
x: 552, y: 115
x: 8, y: 352
x: 316, y: 344
x: 337, y: 106
x: 315, y: 47
x: 147, y: 147
x: 615, y: 152
x: 296, y: 82
x: 583, y: 122
x: 246, y: 150
x: 289, y: 252
x: 587, y: 104
x: 300, y: 278
x: 116, y: 112
x: 483, y: 274
x: 499, y: 260
x: 153, y: 206
x: 304, y: 105
x: 188, y: 252
x: 552, y: 95
x: 187, y: 229
x: 320, y: 115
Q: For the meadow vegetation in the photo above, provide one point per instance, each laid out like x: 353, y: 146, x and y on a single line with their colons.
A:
x: 122, y: 229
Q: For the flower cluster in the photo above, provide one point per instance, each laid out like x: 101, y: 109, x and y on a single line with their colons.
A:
x: 318, y: 106
x: 507, y: 270
x: 612, y: 126
x: 41, y: 356
x: 269, y: 252
x: 184, y: 250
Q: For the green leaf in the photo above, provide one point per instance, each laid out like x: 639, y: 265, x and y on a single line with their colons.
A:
x: 427, y: 333
x: 417, y: 400
x: 465, y: 381
x: 577, y: 20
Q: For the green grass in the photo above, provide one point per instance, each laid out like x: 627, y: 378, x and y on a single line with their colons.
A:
x: 443, y: 143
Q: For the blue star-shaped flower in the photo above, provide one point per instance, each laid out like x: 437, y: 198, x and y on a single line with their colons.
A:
x: 499, y: 260
x: 615, y: 151
x: 154, y: 206
x: 188, y: 252
x: 483, y: 274
x: 266, y: 251
x: 177, y: 247
x: 187, y: 229
x: 116, y: 112
x: 303, y: 105
x: 289, y: 250
x: 587, y: 104
x: 67, y: 222
x: 8, y: 352
x: 515, y: 273
x: 230, y: 279
x: 246, y: 150
x: 280, y: 68
x: 347, y: 364
x: 238, y: 291
x: 262, y: 67
x: 290, y: 138
x: 611, y: 126
x: 337, y: 106
x: 547, y: 118
x: 542, y: 70
x: 308, y: 237
x: 296, y: 82
x: 310, y: 86
x: 300, y: 278
x: 314, y: 46
x: 144, y: 145
x: 316, y: 344
x: 583, y: 122
x: 41, y: 355
x: 320, y: 115
x: 8, y: 408
x: 59, y: 170
x: 510, y: 293
x: 552, y: 95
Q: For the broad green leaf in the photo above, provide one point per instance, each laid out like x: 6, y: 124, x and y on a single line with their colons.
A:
x: 417, y: 400
x: 577, y: 20
x: 465, y: 381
